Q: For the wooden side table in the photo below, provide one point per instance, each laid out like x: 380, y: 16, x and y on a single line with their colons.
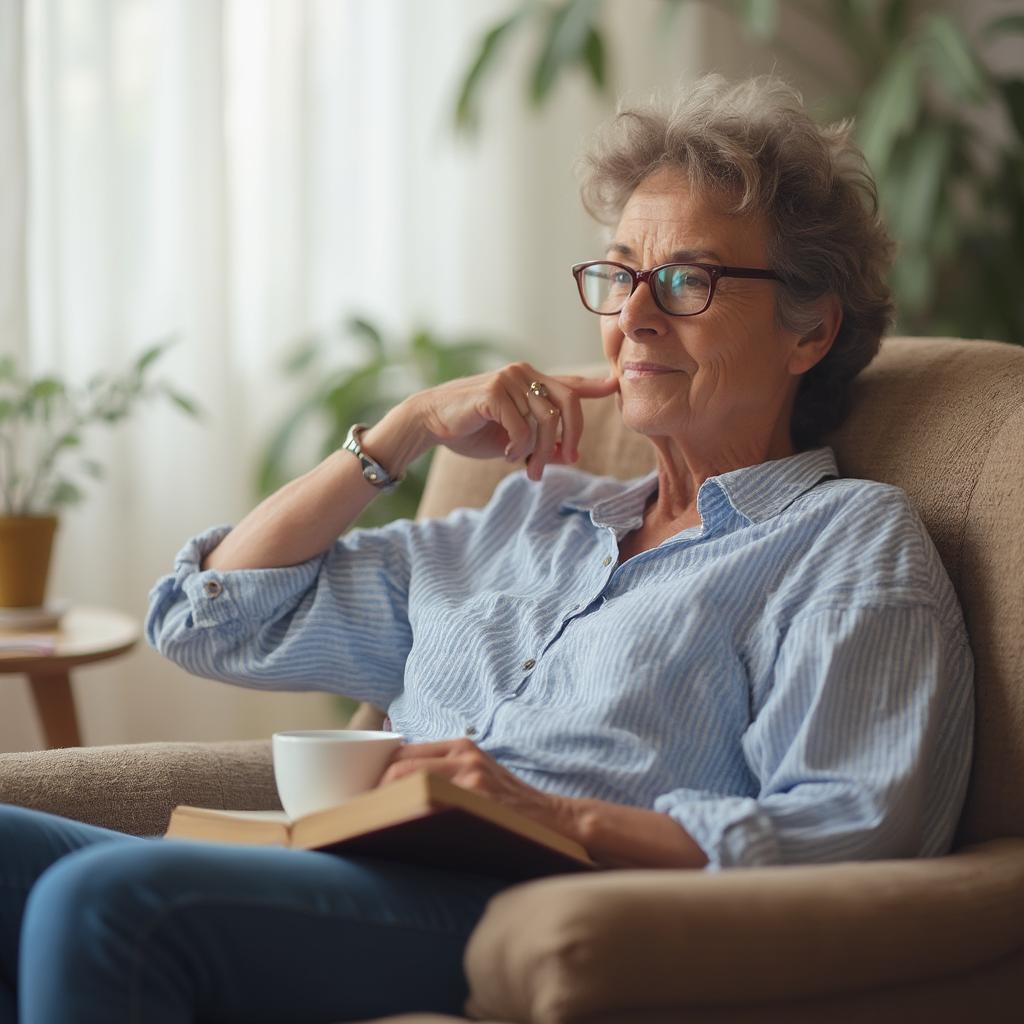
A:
x: 85, y: 634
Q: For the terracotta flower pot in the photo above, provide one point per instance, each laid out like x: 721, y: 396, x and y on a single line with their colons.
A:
x: 26, y: 543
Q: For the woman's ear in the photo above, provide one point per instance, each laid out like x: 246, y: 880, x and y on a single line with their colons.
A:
x: 814, y: 346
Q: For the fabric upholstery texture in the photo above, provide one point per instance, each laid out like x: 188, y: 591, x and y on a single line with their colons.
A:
x: 939, y: 939
x: 133, y: 788
x: 744, y: 936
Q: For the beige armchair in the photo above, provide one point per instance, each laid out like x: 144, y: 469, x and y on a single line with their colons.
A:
x: 939, y: 939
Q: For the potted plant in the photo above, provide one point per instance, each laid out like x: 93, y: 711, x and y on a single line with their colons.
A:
x: 41, y: 426
x: 941, y: 124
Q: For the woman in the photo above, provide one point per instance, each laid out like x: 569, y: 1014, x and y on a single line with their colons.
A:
x: 738, y: 659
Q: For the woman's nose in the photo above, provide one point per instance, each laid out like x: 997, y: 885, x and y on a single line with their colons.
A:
x: 640, y: 314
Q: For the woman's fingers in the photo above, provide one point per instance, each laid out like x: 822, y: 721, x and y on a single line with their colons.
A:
x: 517, y: 423
x: 546, y: 413
x: 588, y: 387
x: 499, y: 414
x: 554, y: 408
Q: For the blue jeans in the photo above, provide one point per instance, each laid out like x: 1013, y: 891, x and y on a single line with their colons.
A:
x: 96, y: 926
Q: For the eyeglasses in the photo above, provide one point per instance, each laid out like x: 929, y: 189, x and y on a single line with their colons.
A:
x: 679, y: 289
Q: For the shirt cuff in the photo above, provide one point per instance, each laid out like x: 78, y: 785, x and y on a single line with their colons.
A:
x: 732, y: 831
x: 217, y: 598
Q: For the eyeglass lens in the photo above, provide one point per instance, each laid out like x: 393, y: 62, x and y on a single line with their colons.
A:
x: 679, y: 288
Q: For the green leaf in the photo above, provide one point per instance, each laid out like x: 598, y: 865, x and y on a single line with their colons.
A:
x: 151, y: 354
x: 364, y: 329
x: 667, y: 15
x: 350, y: 395
x: 912, y: 281
x: 272, y: 472
x: 761, y: 17
x: 1004, y: 25
x: 1012, y: 91
x: 895, y: 19
x: 890, y: 108
x: 463, y: 359
x: 466, y: 108
x: 302, y: 355
x: 594, y: 58
x: 92, y: 468
x: 7, y: 368
x: 64, y: 493
x: 928, y: 160
x: 183, y: 402
x: 855, y: 21
x: 7, y: 409
x: 945, y: 232
x: 564, y: 43
x: 46, y: 387
x: 68, y: 441
x: 952, y: 59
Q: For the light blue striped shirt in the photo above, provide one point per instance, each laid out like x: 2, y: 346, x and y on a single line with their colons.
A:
x: 790, y: 681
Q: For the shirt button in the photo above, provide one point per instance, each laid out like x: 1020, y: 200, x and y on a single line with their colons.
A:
x: 470, y: 730
x: 607, y: 560
x: 528, y: 664
x: 212, y: 588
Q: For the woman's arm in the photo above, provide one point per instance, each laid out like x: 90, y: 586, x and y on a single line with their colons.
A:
x: 614, y: 835
x: 862, y: 748
x: 306, y: 516
x: 487, y: 416
x: 617, y: 836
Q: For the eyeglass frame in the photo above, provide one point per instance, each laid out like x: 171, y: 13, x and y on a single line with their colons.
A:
x: 714, y: 270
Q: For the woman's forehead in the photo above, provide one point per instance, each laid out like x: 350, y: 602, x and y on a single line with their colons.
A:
x: 666, y: 219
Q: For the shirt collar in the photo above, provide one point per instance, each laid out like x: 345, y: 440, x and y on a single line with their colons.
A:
x: 762, y: 491
x: 755, y: 492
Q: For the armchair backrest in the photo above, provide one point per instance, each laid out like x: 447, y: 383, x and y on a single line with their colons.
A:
x: 944, y: 420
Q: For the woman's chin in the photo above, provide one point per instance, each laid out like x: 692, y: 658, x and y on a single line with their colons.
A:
x: 641, y: 418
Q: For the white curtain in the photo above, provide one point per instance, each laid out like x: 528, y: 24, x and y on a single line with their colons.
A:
x: 237, y: 173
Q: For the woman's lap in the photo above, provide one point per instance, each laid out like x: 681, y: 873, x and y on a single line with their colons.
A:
x: 135, y: 929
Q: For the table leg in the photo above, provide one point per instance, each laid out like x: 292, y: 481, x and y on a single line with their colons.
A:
x: 55, y: 705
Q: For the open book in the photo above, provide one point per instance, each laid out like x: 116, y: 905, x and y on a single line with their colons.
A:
x: 421, y: 819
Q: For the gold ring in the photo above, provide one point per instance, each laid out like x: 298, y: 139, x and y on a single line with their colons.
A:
x: 538, y: 390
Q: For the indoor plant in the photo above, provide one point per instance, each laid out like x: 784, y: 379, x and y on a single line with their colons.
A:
x: 41, y: 425
x: 940, y: 123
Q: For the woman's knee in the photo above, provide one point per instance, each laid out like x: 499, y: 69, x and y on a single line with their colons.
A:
x: 99, y: 881
x: 88, y: 927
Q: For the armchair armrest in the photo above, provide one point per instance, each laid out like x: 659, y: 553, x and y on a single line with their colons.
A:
x: 570, y: 948
x: 133, y: 788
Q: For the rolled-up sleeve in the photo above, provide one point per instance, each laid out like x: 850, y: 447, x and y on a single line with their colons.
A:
x: 337, y: 622
x: 861, y: 748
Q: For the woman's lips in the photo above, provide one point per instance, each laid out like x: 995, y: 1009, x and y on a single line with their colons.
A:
x: 630, y: 370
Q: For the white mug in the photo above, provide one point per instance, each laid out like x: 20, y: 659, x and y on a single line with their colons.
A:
x: 320, y: 768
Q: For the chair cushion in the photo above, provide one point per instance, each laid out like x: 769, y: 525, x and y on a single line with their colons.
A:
x: 566, y: 948
x: 134, y: 787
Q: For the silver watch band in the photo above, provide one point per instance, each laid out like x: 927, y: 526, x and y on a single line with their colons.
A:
x: 373, y: 471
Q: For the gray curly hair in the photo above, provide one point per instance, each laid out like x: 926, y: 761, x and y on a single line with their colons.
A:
x: 755, y: 143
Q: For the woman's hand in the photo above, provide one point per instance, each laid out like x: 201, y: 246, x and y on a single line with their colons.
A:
x: 496, y: 415
x: 465, y: 764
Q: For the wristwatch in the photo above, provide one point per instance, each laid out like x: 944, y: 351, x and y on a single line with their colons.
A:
x: 373, y: 471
